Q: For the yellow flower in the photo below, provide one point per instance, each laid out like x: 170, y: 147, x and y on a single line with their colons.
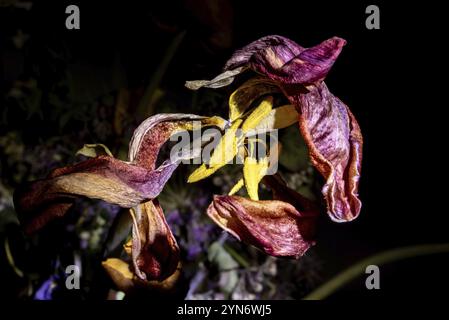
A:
x: 246, y: 124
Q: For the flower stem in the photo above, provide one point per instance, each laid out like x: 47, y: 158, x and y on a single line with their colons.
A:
x: 359, y: 268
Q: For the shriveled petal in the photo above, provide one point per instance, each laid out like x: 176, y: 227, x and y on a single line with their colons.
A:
x: 152, y: 133
x: 281, y: 48
x: 125, y: 280
x: 103, y: 178
x: 155, y: 253
x: 335, y: 143
x: 281, y: 60
x: 283, y: 193
x: 118, y: 182
x: 242, y: 98
x: 275, y: 227
x: 308, y: 67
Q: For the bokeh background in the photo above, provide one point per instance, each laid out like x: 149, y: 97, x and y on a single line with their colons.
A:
x: 62, y: 88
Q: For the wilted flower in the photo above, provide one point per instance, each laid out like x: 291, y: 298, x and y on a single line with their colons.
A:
x: 283, y: 226
x: 327, y: 125
x: 133, y: 184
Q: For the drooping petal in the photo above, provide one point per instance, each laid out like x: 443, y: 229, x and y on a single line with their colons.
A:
x: 152, y: 133
x: 335, y: 142
x: 282, y: 50
x: 155, y: 253
x: 127, y: 281
x: 281, y: 60
x: 308, y: 67
x: 222, y: 80
x: 103, y: 178
x: 118, y: 182
x: 274, y: 226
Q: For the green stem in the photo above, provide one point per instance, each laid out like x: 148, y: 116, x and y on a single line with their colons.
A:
x: 237, y: 257
x: 359, y: 268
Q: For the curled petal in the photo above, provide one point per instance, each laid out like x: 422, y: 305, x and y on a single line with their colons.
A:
x: 276, y: 227
x: 152, y: 133
x: 103, y: 178
x: 222, y: 80
x: 335, y: 143
x: 282, y: 50
x: 308, y: 67
x: 155, y: 253
x: 118, y: 182
x: 281, y: 60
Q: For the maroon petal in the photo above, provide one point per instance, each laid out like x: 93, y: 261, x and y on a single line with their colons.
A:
x: 335, y: 143
x: 274, y: 226
x: 280, y: 59
x: 155, y: 253
x: 289, y: 64
x: 283, y: 49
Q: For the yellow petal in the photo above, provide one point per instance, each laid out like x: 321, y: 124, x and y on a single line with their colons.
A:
x: 204, y: 122
x: 125, y: 280
x: 278, y: 118
x: 253, y: 172
x: 120, y: 273
x: 259, y: 113
x: 237, y: 187
x: 226, y: 149
x: 202, y: 172
x: 242, y: 98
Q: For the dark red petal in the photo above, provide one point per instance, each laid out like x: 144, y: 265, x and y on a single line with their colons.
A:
x: 155, y: 253
x: 275, y: 227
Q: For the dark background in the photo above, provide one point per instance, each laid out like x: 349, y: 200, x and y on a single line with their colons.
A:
x: 376, y: 75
